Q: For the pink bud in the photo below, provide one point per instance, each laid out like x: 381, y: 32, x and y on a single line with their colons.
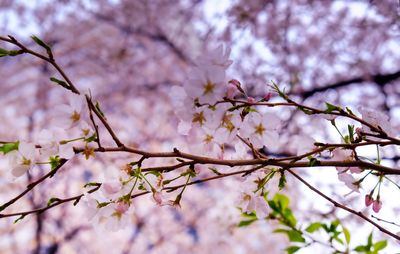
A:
x: 234, y: 82
x: 231, y: 91
x: 376, y: 206
x: 368, y: 200
x: 122, y: 207
x: 267, y: 97
x: 358, y: 131
x: 251, y: 100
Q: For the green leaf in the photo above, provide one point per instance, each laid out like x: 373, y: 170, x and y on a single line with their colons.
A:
x: 314, y: 227
x: 52, y: 200
x: 156, y: 173
x: 292, y: 249
x: 282, y: 180
x: 369, y: 244
x: 54, y: 162
x: 282, y: 200
x: 346, y: 235
x: 8, y: 147
x: 330, y: 108
x: 349, y: 111
x: 97, y: 105
x: 351, y: 132
x: 313, y: 162
x: 305, y: 111
x: 91, y: 138
x: 43, y: 44
x: 60, y: 82
x: 215, y: 171
x: 293, y: 235
x: 380, y: 245
x: 245, y: 223
x: 361, y: 248
x: 102, y: 204
x: 3, y: 52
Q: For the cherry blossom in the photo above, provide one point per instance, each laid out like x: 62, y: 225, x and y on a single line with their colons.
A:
x: 249, y: 202
x: 22, y: 160
x: 377, y: 119
x: 69, y: 115
x: 206, y: 84
x: 349, y: 181
x: 261, y: 129
x: 218, y: 57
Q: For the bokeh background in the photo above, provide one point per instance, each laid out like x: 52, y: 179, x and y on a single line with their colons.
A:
x: 130, y: 53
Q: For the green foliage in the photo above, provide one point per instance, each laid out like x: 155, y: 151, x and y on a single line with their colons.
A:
x: 300, y: 237
x: 43, y: 44
x: 282, y: 180
x: 313, y: 227
x: 249, y: 218
x: 4, y: 52
x: 60, y: 82
x: 370, y: 247
x: 52, y: 200
x: 312, y: 162
x: 91, y: 138
x: 97, y: 106
x: 331, y: 108
x: 280, y: 210
x: 8, y: 147
x: 54, y: 162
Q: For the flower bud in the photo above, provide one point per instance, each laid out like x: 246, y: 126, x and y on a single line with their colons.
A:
x: 376, y: 206
x: 267, y: 96
x: 368, y: 200
x: 251, y: 100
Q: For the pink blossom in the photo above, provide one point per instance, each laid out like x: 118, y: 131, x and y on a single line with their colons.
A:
x: 22, y: 160
x: 377, y: 119
x: 218, y: 57
x: 349, y: 181
x: 261, y: 129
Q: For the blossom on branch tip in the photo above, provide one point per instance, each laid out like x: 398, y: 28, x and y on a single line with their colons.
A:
x: 349, y: 181
x: 69, y: 115
x: 377, y: 119
x: 23, y: 159
x: 249, y: 202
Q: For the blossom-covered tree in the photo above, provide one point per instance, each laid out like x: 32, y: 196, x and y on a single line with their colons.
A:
x: 197, y: 126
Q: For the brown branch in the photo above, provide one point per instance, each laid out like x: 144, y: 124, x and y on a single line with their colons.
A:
x: 51, y: 60
x: 379, y: 79
x: 56, y: 203
x: 32, y: 185
x: 337, y: 204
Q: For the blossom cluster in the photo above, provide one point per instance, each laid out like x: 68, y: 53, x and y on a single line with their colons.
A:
x: 212, y: 123
x: 56, y: 142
